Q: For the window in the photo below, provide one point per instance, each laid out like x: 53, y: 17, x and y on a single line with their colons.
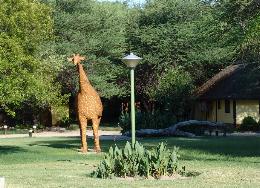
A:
x: 227, y: 106
x: 219, y: 104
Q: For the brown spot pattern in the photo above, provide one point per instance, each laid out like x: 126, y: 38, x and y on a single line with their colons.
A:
x: 89, y: 105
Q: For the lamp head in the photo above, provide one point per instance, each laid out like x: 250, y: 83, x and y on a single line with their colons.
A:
x: 131, y: 60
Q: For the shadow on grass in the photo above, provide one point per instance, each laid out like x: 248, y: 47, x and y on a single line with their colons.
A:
x: 66, y: 143
x: 228, y: 147
x: 10, y: 149
x: 74, y: 143
x: 203, y: 148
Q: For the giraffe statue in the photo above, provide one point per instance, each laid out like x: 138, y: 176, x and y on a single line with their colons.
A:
x: 88, y: 105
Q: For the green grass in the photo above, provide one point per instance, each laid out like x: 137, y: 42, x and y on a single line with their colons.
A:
x: 54, y: 162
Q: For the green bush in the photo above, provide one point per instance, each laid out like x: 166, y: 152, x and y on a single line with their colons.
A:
x: 125, y: 121
x: 147, y: 120
x: 249, y: 124
x: 138, y: 161
x: 73, y: 127
x: 23, y: 126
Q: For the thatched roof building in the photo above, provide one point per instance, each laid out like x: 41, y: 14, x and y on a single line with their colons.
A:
x: 240, y: 81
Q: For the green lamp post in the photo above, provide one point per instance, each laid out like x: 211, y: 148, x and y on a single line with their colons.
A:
x: 131, y: 62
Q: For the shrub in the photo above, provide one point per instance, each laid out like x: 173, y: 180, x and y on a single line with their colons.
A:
x: 125, y: 121
x: 147, y: 120
x: 138, y: 161
x: 249, y: 124
x: 73, y: 127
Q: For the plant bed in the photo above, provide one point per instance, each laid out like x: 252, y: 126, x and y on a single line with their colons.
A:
x: 137, y: 162
x: 172, y: 177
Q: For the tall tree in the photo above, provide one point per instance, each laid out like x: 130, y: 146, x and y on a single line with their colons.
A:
x: 96, y: 30
x: 165, y: 37
x: 24, y: 25
x: 242, y: 17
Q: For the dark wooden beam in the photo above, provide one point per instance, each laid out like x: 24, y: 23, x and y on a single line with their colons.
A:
x: 216, y: 110
x: 235, y: 112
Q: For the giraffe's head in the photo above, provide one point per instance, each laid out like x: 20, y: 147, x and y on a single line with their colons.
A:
x: 76, y: 59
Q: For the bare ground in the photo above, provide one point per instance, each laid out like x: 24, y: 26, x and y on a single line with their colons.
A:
x: 104, y: 135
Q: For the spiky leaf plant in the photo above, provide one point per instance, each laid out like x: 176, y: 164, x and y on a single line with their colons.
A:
x: 138, y: 161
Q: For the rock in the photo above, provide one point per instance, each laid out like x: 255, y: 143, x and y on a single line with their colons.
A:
x: 174, y: 129
x: 53, y: 129
x: 62, y: 130
x: 184, y: 134
x: 149, y: 132
x: 194, y: 123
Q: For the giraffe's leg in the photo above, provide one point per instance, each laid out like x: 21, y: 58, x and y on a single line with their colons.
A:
x: 83, y: 129
x: 81, y: 137
x: 96, y: 122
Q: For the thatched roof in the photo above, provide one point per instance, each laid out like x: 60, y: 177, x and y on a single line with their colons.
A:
x: 241, y: 81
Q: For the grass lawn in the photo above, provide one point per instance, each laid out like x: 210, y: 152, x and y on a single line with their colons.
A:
x: 54, y: 162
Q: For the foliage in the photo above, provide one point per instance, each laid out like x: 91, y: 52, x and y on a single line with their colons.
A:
x: 125, y: 121
x: 241, y: 23
x: 97, y: 31
x: 137, y: 161
x: 176, y: 45
x: 249, y: 124
x: 182, y: 42
x: 174, y: 91
x: 147, y: 120
x: 201, y: 37
x: 73, y: 127
x: 24, y: 80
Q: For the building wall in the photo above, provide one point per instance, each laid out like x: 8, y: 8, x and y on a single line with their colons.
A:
x: 205, y: 111
x: 222, y: 116
x: 209, y: 113
x: 200, y: 111
x: 212, y: 111
x: 246, y: 108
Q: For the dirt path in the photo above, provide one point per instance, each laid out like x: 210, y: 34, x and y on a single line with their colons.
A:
x: 104, y: 135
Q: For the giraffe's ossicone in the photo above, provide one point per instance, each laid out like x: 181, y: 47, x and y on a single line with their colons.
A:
x: 88, y: 105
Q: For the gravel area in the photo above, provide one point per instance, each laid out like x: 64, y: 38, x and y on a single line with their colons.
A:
x: 244, y: 134
x: 104, y: 135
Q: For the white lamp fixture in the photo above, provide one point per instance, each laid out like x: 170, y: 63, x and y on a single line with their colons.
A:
x: 5, y: 129
x: 2, y: 182
x: 131, y: 60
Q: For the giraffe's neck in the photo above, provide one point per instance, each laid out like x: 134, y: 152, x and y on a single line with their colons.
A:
x: 83, y: 79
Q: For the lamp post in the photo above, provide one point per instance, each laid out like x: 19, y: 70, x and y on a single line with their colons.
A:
x: 30, y: 132
x: 5, y: 129
x: 2, y: 182
x: 131, y: 62
x: 34, y: 128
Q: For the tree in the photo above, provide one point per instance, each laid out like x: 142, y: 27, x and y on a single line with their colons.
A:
x: 165, y: 37
x: 97, y: 31
x: 24, y: 25
x: 198, y: 37
x: 243, y: 18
